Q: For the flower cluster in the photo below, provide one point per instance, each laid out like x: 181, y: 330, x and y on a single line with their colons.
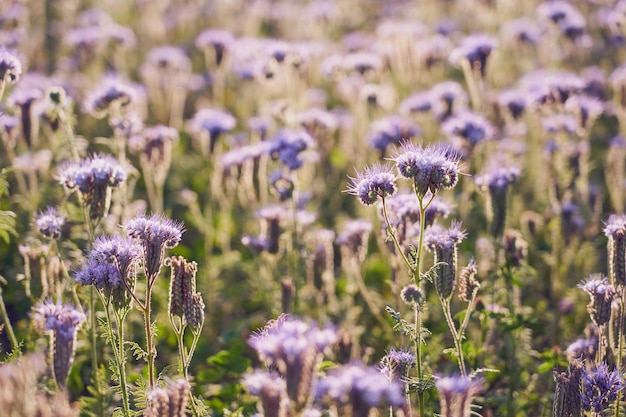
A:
x: 376, y: 182
x: 456, y: 394
x: 49, y: 223
x: 431, y: 168
x: 615, y: 230
x: 93, y: 177
x: 601, y: 388
x: 444, y: 243
x: 602, y: 294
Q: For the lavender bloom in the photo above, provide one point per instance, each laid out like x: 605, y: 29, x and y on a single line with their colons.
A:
x: 447, y: 98
x: 294, y: 349
x: 287, y: 146
x: 615, y: 230
x: 360, y: 389
x: 63, y: 321
x: 10, y: 67
x: 601, y: 388
x: 467, y: 129
x: 272, y: 216
x: 397, y: 363
x: 317, y: 122
x: 354, y: 237
x: 93, y: 177
x: 412, y: 295
x: 155, y: 233
x: 391, y: 130
x: 362, y: 62
x: 584, y: 349
x: 111, y: 262
x: 271, y: 389
x: 111, y: 93
x: 456, y: 394
x: 475, y: 49
x: 433, y: 50
x: 219, y: 40
x: 49, y: 223
x: 417, y: 103
x: 546, y: 88
x: 496, y: 183
x: 444, y: 244
x: 514, y: 101
x: 375, y: 182
x: 154, y: 146
x: 602, y: 294
x: 523, y: 31
x: 560, y: 123
x: 212, y: 122
x: 431, y: 168
x: 556, y: 11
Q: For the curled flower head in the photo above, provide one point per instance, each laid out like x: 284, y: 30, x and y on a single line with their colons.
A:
x: 361, y: 387
x: 467, y: 129
x: 111, y: 92
x: 456, y: 394
x: 475, y: 49
x: 432, y: 168
x: 602, y: 294
x: 615, y: 230
x: 377, y: 181
x: 49, y: 223
x: 396, y: 363
x: 288, y: 145
x: 444, y: 243
x: 10, y: 67
x: 391, y: 130
x: 93, y: 177
x: 63, y: 319
x: 601, y: 388
x: 211, y: 122
x: 155, y: 233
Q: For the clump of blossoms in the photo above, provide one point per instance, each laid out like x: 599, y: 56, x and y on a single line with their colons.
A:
x: 63, y: 321
x: 10, y: 69
x: 615, y: 230
x: 496, y: 182
x: 49, y: 223
x: 601, y: 388
x: 456, y: 394
x: 292, y: 351
x: 94, y: 178
x: 444, y: 244
x: 376, y: 182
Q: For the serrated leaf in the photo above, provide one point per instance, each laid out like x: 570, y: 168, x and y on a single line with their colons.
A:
x: 137, y: 351
x: 431, y: 274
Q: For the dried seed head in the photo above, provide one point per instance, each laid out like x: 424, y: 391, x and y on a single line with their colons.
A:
x: 468, y: 286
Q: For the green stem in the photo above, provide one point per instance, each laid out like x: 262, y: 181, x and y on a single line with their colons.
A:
x: 391, y: 232
x: 120, y: 317
x: 7, y: 323
x: 148, y: 326
x: 445, y: 304
x: 94, y: 350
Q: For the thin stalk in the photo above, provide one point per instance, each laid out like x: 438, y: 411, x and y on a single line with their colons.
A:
x: 390, y: 231
x: 619, y: 344
x: 94, y: 349
x: 148, y: 326
x: 445, y: 304
x: 7, y: 323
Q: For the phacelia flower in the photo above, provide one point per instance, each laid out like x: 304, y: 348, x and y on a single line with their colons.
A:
x: 170, y: 401
x: 444, y: 244
x: 218, y: 40
x: 468, y: 285
x: 288, y: 145
x: 155, y: 234
x: 271, y: 390
x: 63, y: 320
x: 467, y: 129
x: 10, y: 67
x: 432, y: 168
x: 397, y: 363
x: 412, y: 295
x: 376, y: 182
x: 360, y: 387
x: 111, y: 92
x: 353, y: 238
x: 514, y: 102
x: 615, y: 230
x: 496, y: 182
x: 456, y: 394
x: 391, y: 130
x: 601, y: 388
x: 602, y: 294
x: 583, y: 349
x: 211, y: 122
x: 294, y: 349
x: 475, y: 49
x: 111, y: 261
x: 448, y: 97
x: 49, y: 223
x: 182, y: 285
x: 93, y: 177
x: 154, y: 146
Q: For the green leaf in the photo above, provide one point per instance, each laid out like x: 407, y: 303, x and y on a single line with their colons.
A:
x: 137, y: 351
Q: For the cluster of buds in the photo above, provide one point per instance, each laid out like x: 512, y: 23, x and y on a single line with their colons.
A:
x: 184, y: 301
x: 444, y: 244
x: 168, y: 402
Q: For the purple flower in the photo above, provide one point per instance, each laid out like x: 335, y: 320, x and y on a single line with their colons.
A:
x: 417, y: 103
x: 363, y: 388
x: 615, y: 230
x: 523, y: 31
x: 219, y: 40
x: 467, y: 129
x: 447, y: 97
x: 456, y: 394
x: 582, y: 349
x: 93, y: 177
x: 49, y: 223
x: 444, y: 244
x: 475, y: 49
x: 354, y: 236
x: 287, y: 146
x: 515, y: 101
x: 377, y: 181
x: 498, y: 178
x: 602, y: 294
x: 155, y: 234
x: 396, y: 363
x: 431, y: 168
x: 391, y: 130
x: 10, y: 67
x: 212, y: 122
x: 111, y: 92
x: 293, y: 348
x: 63, y: 319
x: 601, y: 388
x: 551, y: 87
